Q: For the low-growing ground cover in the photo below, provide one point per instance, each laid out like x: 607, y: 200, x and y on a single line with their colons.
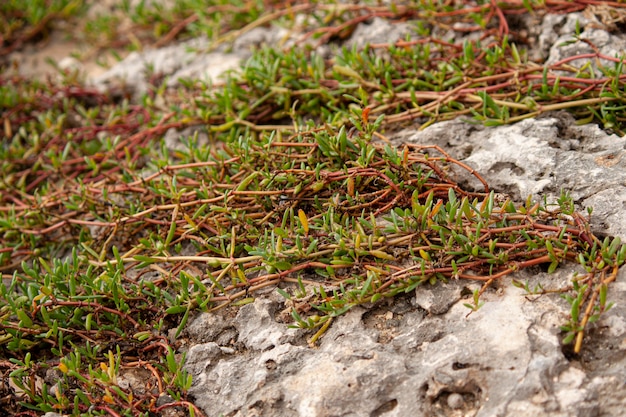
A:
x: 112, y: 238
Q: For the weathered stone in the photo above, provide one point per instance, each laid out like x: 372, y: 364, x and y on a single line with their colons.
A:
x: 540, y: 158
x: 378, y: 31
x: 504, y: 359
x: 593, y: 38
x: 182, y: 61
x: 209, y: 327
x: 258, y: 329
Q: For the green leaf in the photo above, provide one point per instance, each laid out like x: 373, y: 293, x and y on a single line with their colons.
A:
x: 145, y: 259
x: 284, y: 293
x: 569, y: 338
x: 176, y: 309
x: 553, y: 265
x: 347, y: 71
x: 25, y: 320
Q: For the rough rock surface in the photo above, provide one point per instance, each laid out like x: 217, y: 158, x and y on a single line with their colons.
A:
x: 177, y: 61
x: 422, y: 354
x: 540, y: 158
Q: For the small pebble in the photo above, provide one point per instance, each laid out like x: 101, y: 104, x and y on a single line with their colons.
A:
x: 455, y: 401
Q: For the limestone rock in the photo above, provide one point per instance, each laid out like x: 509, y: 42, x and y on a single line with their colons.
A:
x: 540, y: 158
x: 181, y: 61
x: 505, y: 359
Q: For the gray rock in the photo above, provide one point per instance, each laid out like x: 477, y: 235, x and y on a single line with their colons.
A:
x: 207, y: 68
x: 540, y: 158
x: 260, y: 37
x: 258, y: 329
x: 208, y: 327
x: 593, y: 38
x: 505, y: 359
x: 609, y: 206
x: 378, y: 30
x: 439, y: 301
x: 187, y: 60
x: 548, y: 35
